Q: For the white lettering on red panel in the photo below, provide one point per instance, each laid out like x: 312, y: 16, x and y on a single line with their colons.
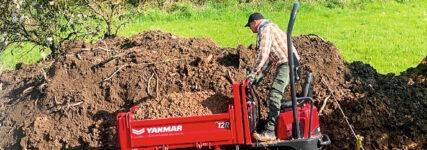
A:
x: 155, y: 130
x: 223, y: 124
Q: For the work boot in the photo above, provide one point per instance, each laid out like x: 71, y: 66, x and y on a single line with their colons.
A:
x: 266, y: 135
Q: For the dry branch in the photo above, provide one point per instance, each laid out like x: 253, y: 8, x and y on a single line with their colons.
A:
x: 26, y: 91
x: 105, y: 49
x: 229, y: 77
x: 157, y: 84
x: 105, y: 44
x: 56, y: 101
x: 41, y: 86
x: 148, y: 84
x: 115, y: 72
x: 75, y: 104
x: 78, y: 56
x: 151, y: 63
x: 314, y: 35
x: 324, y: 104
x: 85, y: 49
x: 165, y: 61
x: 44, y: 74
x: 102, y: 63
x: 63, y: 108
x: 35, y: 103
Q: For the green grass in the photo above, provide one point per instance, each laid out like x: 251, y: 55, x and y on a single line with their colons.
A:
x: 26, y: 53
x: 388, y: 35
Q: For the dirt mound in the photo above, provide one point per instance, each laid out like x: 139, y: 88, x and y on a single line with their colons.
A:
x: 324, y: 60
x: 78, y: 94
x: 388, y: 110
x: 71, y: 102
x: 417, y: 74
x: 183, y: 105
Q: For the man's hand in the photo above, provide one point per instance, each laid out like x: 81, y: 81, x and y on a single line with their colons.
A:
x: 252, y: 77
x: 258, y: 79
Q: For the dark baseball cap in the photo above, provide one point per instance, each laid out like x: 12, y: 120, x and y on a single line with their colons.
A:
x: 254, y: 16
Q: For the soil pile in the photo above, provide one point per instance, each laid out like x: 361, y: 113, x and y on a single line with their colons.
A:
x: 389, y: 110
x: 77, y: 95
x: 71, y: 102
x: 183, y: 105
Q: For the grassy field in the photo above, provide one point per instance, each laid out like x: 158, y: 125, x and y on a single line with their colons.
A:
x: 388, y: 35
x: 26, y: 53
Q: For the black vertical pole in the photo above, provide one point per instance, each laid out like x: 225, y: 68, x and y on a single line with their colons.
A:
x: 295, y: 126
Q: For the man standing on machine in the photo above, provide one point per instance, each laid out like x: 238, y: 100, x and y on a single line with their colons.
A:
x: 272, y: 50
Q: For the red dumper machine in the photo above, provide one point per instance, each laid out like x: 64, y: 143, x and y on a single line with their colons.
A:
x: 297, y: 125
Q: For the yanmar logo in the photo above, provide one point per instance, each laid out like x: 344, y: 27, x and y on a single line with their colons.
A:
x: 155, y: 130
x: 138, y: 132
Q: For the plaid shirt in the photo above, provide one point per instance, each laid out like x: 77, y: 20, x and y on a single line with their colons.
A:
x: 272, y: 46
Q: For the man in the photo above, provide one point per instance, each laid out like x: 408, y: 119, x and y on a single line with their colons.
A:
x: 272, y: 50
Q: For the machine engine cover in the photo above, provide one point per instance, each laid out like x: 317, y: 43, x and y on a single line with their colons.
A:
x: 285, y: 120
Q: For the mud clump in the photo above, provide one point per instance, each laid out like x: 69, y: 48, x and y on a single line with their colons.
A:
x: 71, y: 102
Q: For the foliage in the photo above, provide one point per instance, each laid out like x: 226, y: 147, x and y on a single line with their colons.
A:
x: 50, y: 23
x: 114, y: 14
x: 43, y: 23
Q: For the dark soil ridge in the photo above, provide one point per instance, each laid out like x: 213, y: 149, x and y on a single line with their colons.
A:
x: 71, y: 102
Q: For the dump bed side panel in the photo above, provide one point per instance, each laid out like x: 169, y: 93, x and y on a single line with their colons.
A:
x: 208, y: 130
x: 185, y: 132
x: 122, y: 130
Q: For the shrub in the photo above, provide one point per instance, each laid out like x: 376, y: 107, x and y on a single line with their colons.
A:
x: 42, y: 23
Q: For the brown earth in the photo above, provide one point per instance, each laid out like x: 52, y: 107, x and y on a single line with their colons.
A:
x: 71, y: 102
x: 183, y: 104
